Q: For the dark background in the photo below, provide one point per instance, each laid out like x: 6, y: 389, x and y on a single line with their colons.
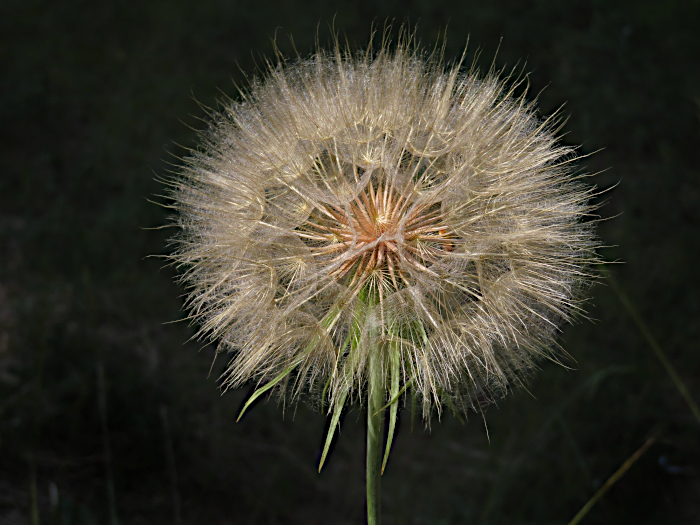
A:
x: 95, y: 97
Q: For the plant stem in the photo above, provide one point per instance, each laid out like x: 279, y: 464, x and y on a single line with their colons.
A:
x: 612, y: 479
x: 653, y: 343
x: 375, y: 427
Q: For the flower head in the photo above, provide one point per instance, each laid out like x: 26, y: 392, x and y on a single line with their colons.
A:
x: 382, y: 204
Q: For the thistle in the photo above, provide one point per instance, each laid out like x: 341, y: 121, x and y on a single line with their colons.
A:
x: 365, y: 226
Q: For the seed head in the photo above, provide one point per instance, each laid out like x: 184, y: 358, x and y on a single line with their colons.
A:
x: 382, y: 202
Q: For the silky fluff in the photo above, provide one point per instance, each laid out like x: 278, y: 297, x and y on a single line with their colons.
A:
x: 382, y: 207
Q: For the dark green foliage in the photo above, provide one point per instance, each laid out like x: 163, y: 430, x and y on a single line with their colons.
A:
x: 90, y: 101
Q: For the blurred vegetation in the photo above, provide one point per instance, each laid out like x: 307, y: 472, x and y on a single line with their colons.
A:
x: 95, y: 97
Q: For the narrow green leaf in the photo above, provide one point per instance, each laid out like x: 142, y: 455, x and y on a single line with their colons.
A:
x: 395, y: 393
x: 341, y: 350
x: 394, y: 398
x: 337, y: 410
x: 260, y: 391
x: 330, y: 318
x: 421, y: 330
x: 323, y: 394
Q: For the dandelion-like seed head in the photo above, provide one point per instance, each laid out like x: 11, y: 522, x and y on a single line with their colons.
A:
x: 382, y: 204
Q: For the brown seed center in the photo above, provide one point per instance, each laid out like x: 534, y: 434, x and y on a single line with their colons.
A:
x: 382, y: 233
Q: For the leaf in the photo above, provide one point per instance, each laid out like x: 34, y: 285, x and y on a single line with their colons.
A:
x: 421, y: 330
x: 337, y: 409
x: 324, y: 392
x: 394, y: 398
x: 405, y: 386
x: 260, y: 391
x: 341, y: 350
x: 330, y: 318
x: 395, y: 393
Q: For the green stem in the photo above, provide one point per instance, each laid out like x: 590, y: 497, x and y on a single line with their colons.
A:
x: 612, y: 479
x: 375, y: 427
x: 653, y: 343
